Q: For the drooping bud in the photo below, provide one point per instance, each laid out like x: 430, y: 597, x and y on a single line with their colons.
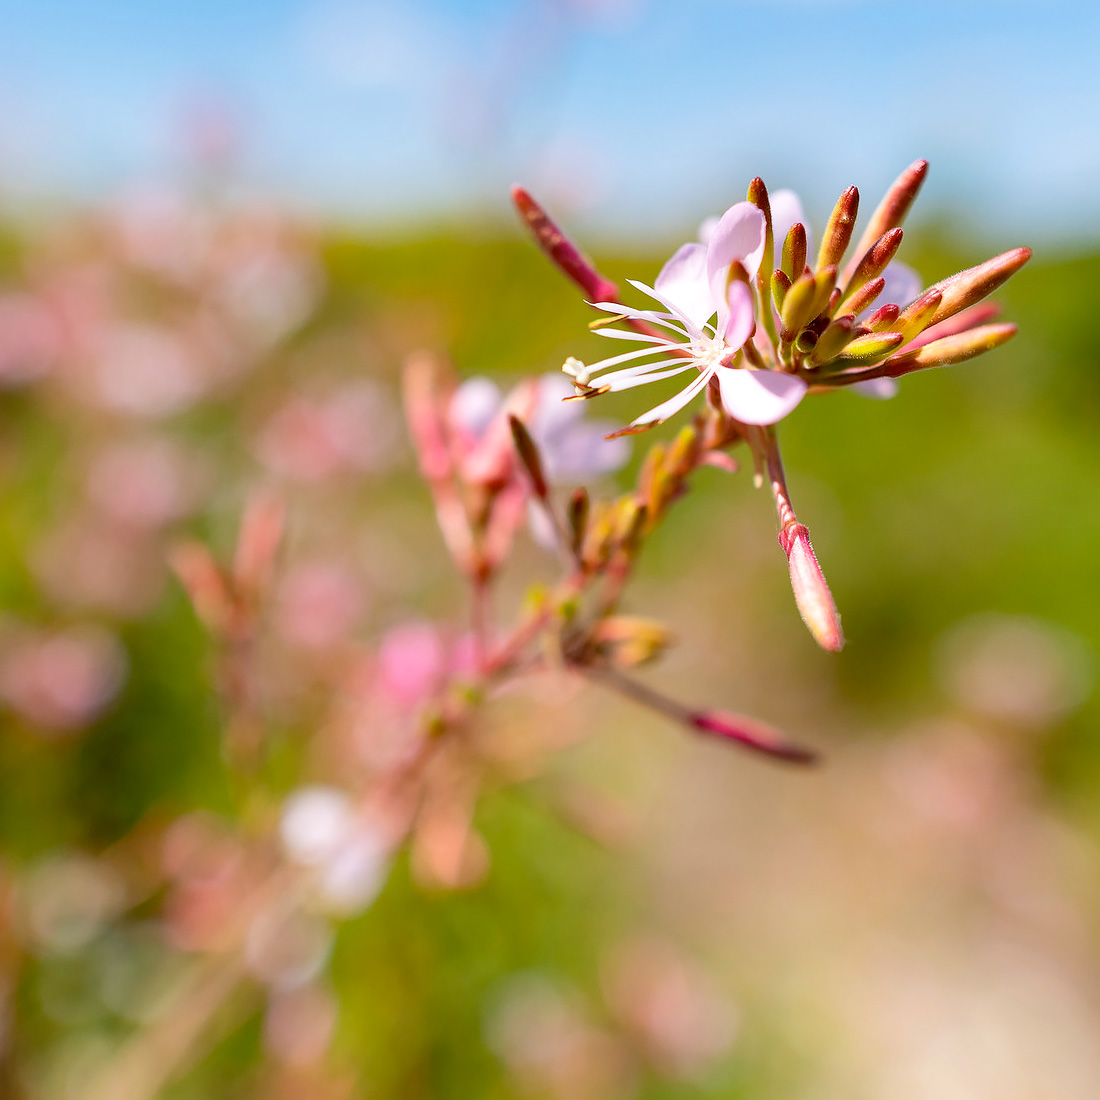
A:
x: 529, y: 456
x: 972, y: 285
x: 838, y: 230
x: 794, y: 252
x: 561, y: 251
x: 811, y: 592
x: 752, y: 734
x: 871, y: 264
x: 891, y: 212
x: 950, y: 350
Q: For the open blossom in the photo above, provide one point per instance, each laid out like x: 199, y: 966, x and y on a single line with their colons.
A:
x: 751, y: 311
x: 707, y: 319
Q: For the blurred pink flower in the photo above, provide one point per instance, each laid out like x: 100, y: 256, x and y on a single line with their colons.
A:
x: 30, y: 339
x: 319, y: 603
x: 573, y: 450
x: 352, y: 429
x: 144, y: 483
x: 61, y: 680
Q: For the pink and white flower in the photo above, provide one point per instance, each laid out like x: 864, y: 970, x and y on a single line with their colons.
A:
x: 707, y: 318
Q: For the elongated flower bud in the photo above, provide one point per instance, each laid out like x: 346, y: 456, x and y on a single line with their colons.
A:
x: 891, y: 212
x: 918, y: 314
x: 884, y: 318
x: 831, y: 342
x: 856, y: 303
x: 871, y: 346
x: 838, y: 230
x: 560, y: 249
x: 811, y: 592
x: 794, y: 252
x: 798, y: 304
x: 975, y: 283
x: 752, y: 734
x: 950, y: 350
x: 871, y: 265
x: 529, y: 456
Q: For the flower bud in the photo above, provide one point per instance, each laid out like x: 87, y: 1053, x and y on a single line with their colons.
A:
x: 838, y: 230
x: 529, y: 456
x: 871, y: 264
x: 973, y: 284
x: 831, y: 342
x: 561, y: 250
x: 811, y: 592
x: 891, y: 212
x: 918, y: 314
x: 856, y: 303
x: 753, y: 734
x: 794, y: 252
x: 950, y: 350
x: 872, y: 346
x: 798, y: 304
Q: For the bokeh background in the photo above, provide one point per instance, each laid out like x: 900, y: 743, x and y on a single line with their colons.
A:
x: 222, y: 229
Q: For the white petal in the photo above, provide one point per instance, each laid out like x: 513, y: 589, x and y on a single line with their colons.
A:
x: 786, y: 210
x: 759, y: 396
x: 683, y: 281
x: 674, y: 404
x: 879, y: 388
x: 630, y: 377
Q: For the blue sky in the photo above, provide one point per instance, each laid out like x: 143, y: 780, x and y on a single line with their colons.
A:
x: 635, y: 115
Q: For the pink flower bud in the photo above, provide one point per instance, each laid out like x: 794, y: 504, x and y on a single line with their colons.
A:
x: 811, y: 593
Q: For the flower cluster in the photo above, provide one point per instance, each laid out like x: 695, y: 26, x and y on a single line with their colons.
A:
x: 757, y: 328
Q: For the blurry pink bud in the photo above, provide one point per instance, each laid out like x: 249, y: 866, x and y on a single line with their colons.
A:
x: 753, y: 734
x: 258, y: 542
x: 811, y: 592
x: 204, y: 583
x: 424, y: 412
x: 411, y: 663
